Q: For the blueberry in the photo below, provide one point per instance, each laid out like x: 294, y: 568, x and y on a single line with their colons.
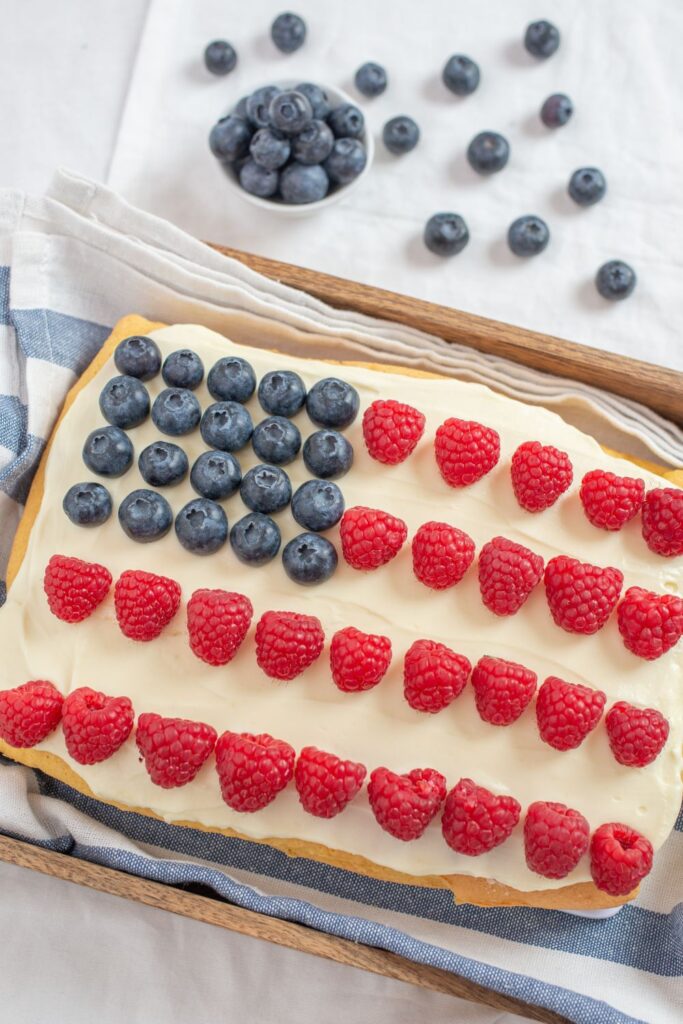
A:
x: 216, y: 475
x: 282, y: 392
x: 346, y: 161
x: 460, y: 75
x: 290, y: 112
x: 371, y: 79
x: 556, y: 110
x: 615, y: 280
x: 87, y: 504
x: 400, y: 134
x: 587, y: 186
x: 488, y: 152
x: 346, y: 121
x: 226, y: 426
x: 309, y: 559
x: 231, y: 379
x: 255, y: 539
x: 541, y: 39
x: 138, y: 357
x: 201, y: 526
x: 317, y: 505
x: 241, y: 108
x: 317, y: 97
x: 332, y: 403
x: 276, y: 440
x: 183, y: 369
x: 328, y: 454
x: 220, y: 57
x: 145, y: 516
x: 229, y: 138
x: 288, y: 32
x: 162, y: 464
x: 269, y: 149
x: 528, y: 235
x: 303, y: 183
x: 124, y: 402
x: 313, y: 144
x: 258, y: 104
x: 266, y: 489
x: 446, y: 234
x: 108, y: 452
x: 257, y: 180
x: 175, y: 411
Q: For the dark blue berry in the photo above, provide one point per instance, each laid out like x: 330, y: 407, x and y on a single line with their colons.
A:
x: 332, y: 403
x: 290, y: 112
x: 371, y: 79
x: 255, y: 539
x: 257, y: 180
x: 258, y: 104
x: 231, y: 379
x: 241, y: 108
x: 229, y: 138
x: 162, y: 464
x: 556, y: 110
x: 528, y: 235
x: 183, y: 369
x: 587, y: 186
x: 269, y: 148
x: 328, y: 454
x: 346, y: 161
x: 107, y: 451
x: 216, y: 475
x: 282, y: 392
x: 313, y: 144
x: 317, y: 97
x: 220, y: 57
x: 201, y: 526
x: 276, y: 440
x: 138, y: 357
x: 400, y: 134
x: 288, y: 32
x: 266, y: 489
x: 317, y: 505
x: 446, y: 234
x: 226, y: 426
x: 460, y: 75
x: 145, y: 516
x: 615, y: 280
x: 303, y: 183
x: 176, y: 411
x: 541, y: 39
x: 346, y: 121
x: 488, y: 152
x: 309, y: 559
x: 124, y: 402
x: 87, y: 504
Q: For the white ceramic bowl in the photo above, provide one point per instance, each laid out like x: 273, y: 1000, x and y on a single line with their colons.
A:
x: 276, y: 206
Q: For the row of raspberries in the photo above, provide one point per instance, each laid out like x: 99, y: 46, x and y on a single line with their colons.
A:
x: 253, y: 769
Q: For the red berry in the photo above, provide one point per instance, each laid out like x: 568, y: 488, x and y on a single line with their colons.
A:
x: 555, y: 838
x: 144, y: 603
x: 75, y: 588
x: 636, y: 735
x: 29, y: 712
x: 370, y: 537
x: 475, y: 820
x: 442, y: 554
x: 502, y: 689
x: 252, y: 769
x: 620, y: 858
x: 358, y: 660
x: 581, y: 597
x: 94, y: 725
x: 405, y: 804
x: 174, y: 749
x: 508, y: 572
x: 433, y: 675
x: 650, y: 624
x: 610, y: 501
x: 325, y: 783
x: 287, y: 643
x: 465, y: 451
x: 217, y: 621
x: 567, y: 712
x: 391, y: 430
x: 663, y: 521
x: 540, y: 474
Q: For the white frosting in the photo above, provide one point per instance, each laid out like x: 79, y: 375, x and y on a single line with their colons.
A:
x: 377, y: 727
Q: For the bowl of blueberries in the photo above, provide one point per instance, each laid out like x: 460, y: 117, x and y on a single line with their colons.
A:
x: 293, y: 147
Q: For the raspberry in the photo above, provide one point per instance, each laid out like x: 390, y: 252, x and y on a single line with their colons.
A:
x: 442, y: 554
x: 405, y: 804
x: 555, y: 838
x: 475, y: 820
x: 502, y: 689
x: 391, y: 430
x: 174, y: 749
x: 620, y: 858
x: 358, y: 660
x: 217, y: 622
x: 663, y: 521
x: 433, y: 675
x: 287, y: 643
x: 144, y: 603
x: 650, y: 624
x: 75, y: 588
x: 540, y: 474
x: 94, y: 725
x: 567, y: 712
x: 610, y: 501
x: 508, y: 572
x: 465, y: 451
x: 636, y: 735
x: 29, y: 712
x: 581, y: 597
x: 325, y: 783
x: 252, y: 769
x: 370, y: 537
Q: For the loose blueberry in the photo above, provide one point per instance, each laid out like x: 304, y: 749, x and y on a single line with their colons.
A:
x: 124, y: 402
x: 231, y: 379
x: 138, y: 357
x: 258, y: 104
x: 615, y: 280
x: 269, y: 148
x: 317, y: 97
x: 145, y: 516
x: 288, y: 32
x: 317, y: 505
x: 216, y: 475
x: 400, y: 135
x: 346, y: 121
x: 528, y: 235
x: 460, y: 75
x: 257, y: 180
x: 332, y: 403
x: 346, y: 161
x: 488, y: 152
x: 266, y: 489
x: 201, y: 526
x: 313, y: 144
x: 162, y: 464
x: 587, y: 186
x: 282, y: 392
x: 309, y: 559
x: 290, y: 112
x: 255, y: 539
x: 371, y: 79
x: 446, y: 234
x: 541, y: 39
x: 276, y: 440
x: 220, y: 57
x: 303, y: 183
x: 328, y: 454
x: 556, y: 110
x: 176, y: 411
x: 108, y: 452
x: 226, y: 426
x: 183, y: 369
x: 87, y: 504
x: 229, y: 138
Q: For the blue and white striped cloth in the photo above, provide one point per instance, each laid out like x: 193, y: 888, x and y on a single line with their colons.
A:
x: 71, y: 264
